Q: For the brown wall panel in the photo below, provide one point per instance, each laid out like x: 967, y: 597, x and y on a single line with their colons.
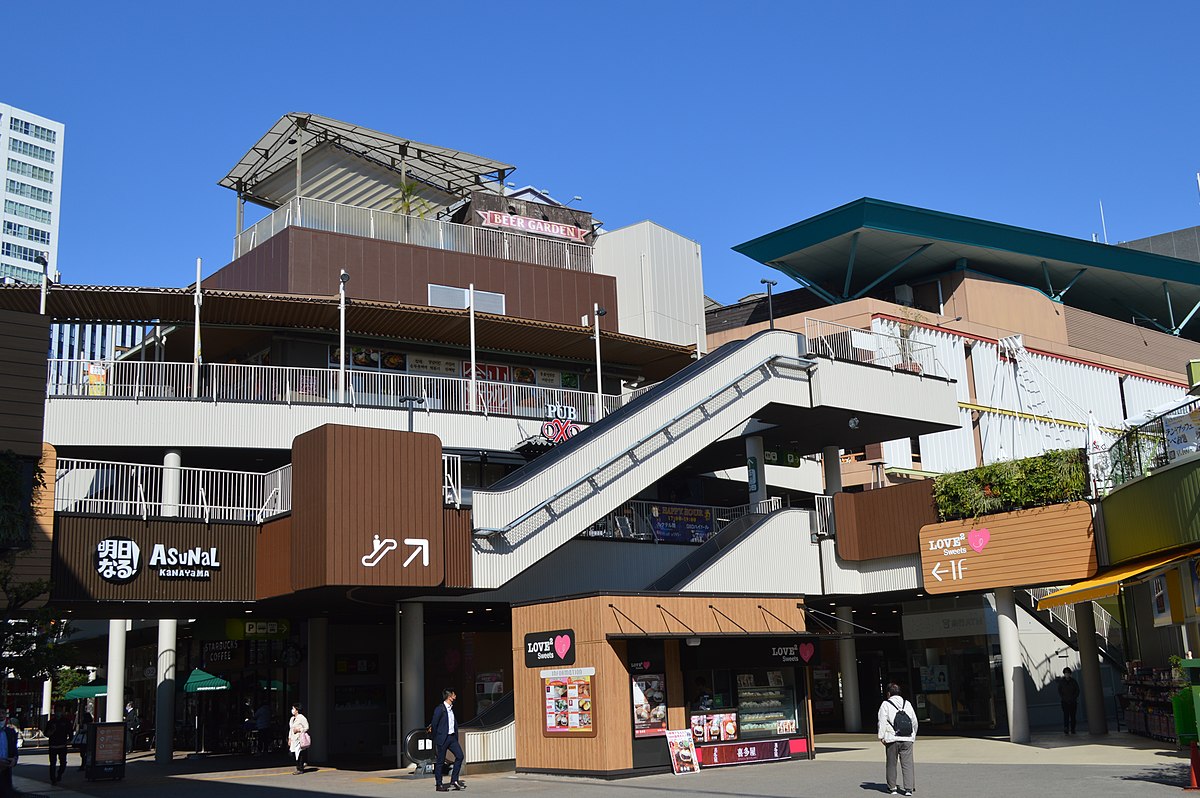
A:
x: 24, y: 340
x: 1113, y: 337
x: 34, y: 563
x: 456, y: 526
x: 884, y: 522
x: 391, y: 272
x: 274, y: 558
x: 76, y: 578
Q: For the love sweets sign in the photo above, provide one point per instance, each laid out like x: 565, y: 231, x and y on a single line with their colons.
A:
x: 546, y: 649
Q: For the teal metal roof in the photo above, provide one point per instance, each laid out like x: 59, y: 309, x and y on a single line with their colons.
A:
x: 877, y: 236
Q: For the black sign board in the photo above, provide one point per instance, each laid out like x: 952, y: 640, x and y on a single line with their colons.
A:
x: 550, y: 649
x: 797, y: 653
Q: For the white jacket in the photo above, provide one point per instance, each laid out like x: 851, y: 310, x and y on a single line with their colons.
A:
x: 887, y: 713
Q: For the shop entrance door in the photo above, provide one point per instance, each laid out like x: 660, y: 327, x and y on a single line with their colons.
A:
x: 971, y: 688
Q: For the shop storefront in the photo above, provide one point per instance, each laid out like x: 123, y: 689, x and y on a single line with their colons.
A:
x: 604, y: 681
x: 954, y: 666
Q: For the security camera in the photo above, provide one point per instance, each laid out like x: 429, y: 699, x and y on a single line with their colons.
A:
x: 345, y: 278
x: 601, y: 312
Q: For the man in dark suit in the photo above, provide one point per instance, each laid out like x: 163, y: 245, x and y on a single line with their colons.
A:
x: 444, y: 728
x: 8, y: 754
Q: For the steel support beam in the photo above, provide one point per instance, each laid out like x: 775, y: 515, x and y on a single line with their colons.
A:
x: 892, y: 270
x: 809, y: 284
x: 1137, y: 314
x: 1186, y: 319
x: 1170, y: 307
x: 1058, y: 297
x: 850, y: 265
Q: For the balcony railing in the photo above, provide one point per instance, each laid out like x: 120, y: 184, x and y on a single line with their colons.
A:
x: 662, y: 522
x: 1152, y: 445
x: 220, y: 382
x: 896, y: 352
x: 404, y: 229
x: 101, y: 487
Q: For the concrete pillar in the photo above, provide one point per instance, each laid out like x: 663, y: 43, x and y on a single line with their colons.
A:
x: 831, y: 462
x: 756, y: 469
x: 412, y: 668
x: 114, y: 702
x: 1012, y: 665
x: 317, y: 707
x: 1089, y: 666
x: 164, y: 702
x: 848, y: 662
x: 171, y: 482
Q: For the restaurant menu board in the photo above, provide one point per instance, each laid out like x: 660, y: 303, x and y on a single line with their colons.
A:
x: 649, y: 705
x: 364, y: 358
x: 681, y: 523
x: 714, y: 727
x: 568, y: 701
x: 683, y: 752
x: 110, y: 743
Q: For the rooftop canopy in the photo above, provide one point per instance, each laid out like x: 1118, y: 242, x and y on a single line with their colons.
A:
x: 870, y: 245
x: 353, y: 165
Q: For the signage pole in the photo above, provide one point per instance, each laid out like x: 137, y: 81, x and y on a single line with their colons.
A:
x: 597, y: 312
x: 196, y: 339
x: 471, y: 316
x: 343, y: 278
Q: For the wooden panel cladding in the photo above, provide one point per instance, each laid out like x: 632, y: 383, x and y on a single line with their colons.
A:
x: 456, y: 527
x: 1114, y: 338
x: 365, y: 504
x: 34, y: 562
x: 274, y: 558
x: 301, y: 261
x: 1044, y: 546
x: 77, y: 578
x: 24, y: 341
x: 883, y: 523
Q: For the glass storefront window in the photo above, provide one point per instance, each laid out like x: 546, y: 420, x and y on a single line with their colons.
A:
x: 953, y: 682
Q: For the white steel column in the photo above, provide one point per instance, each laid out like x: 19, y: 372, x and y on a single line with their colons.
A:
x: 164, y: 703
x: 114, y: 702
x: 317, y: 708
x: 756, y: 469
x: 1089, y: 665
x: 412, y: 668
x: 848, y: 662
x: 171, y: 483
x: 1012, y: 665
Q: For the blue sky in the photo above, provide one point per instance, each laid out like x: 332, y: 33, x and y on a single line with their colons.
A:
x: 720, y: 121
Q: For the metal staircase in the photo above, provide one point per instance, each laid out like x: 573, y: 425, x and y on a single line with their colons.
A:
x: 1061, y: 621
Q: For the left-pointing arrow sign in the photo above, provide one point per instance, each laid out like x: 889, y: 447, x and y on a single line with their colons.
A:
x: 421, y: 547
x: 937, y: 566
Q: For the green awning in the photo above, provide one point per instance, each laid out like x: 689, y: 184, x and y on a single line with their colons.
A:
x: 202, y: 682
x: 87, y: 691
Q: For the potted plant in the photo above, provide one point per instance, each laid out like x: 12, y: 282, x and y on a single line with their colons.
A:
x: 909, y: 324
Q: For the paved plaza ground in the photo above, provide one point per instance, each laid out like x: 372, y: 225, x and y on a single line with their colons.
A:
x: 846, y: 765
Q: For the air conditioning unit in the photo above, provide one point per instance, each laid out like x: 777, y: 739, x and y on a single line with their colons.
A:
x: 904, y: 295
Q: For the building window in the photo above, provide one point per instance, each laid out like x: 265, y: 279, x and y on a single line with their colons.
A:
x: 32, y: 130
x: 10, y: 250
x: 27, y: 212
x: 29, y: 170
x: 447, y: 296
x: 29, y: 192
x: 18, y: 273
x: 32, y: 150
x: 28, y: 233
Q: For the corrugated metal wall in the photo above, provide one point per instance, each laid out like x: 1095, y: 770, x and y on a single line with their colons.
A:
x: 456, y: 531
x: 1142, y: 394
x: 1136, y: 344
x: 872, y: 576
x: 953, y: 450
x: 998, y: 384
x: 756, y: 560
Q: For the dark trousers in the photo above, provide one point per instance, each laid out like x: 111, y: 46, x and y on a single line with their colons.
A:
x: 59, y: 754
x: 6, y: 785
x: 1070, y: 710
x: 301, y: 760
x: 448, y: 743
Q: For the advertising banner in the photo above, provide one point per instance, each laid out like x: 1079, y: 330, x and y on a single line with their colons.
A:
x: 649, y: 705
x: 743, y: 753
x: 683, y: 752
x: 568, y: 694
x: 680, y: 523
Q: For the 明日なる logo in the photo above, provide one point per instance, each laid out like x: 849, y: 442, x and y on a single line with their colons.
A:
x: 118, y: 560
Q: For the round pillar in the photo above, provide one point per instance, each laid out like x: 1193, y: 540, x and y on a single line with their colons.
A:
x: 1012, y: 665
x: 848, y: 662
x: 164, y: 702
x: 412, y: 668
x: 1089, y: 666
x: 114, y: 702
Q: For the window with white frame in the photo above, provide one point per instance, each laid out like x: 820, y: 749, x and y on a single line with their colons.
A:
x: 29, y: 170
x: 32, y: 150
x: 29, y: 192
x: 32, y: 130
x: 17, y: 230
x: 448, y: 296
x: 28, y: 212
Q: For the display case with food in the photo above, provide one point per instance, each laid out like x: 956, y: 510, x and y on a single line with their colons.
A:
x: 762, y: 709
x: 715, y: 727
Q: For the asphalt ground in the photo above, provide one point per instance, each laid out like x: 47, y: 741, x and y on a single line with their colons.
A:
x: 1119, y: 764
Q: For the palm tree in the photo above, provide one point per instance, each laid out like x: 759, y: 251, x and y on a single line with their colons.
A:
x: 410, y: 203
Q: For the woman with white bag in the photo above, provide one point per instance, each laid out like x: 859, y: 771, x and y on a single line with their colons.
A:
x: 298, y: 738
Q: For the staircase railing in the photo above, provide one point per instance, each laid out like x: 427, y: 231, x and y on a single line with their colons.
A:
x: 1108, y: 628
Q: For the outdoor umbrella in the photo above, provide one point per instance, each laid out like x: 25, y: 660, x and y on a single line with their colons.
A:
x: 87, y: 691
x: 199, y: 681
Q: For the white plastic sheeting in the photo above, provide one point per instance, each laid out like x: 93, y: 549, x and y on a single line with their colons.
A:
x: 1142, y: 395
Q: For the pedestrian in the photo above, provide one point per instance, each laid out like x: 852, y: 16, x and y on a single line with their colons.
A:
x: 444, y: 728
x: 132, y: 724
x: 898, y: 732
x: 58, y: 735
x: 299, y: 739
x: 262, y: 725
x: 81, y: 733
x: 8, y: 755
x: 1068, y: 696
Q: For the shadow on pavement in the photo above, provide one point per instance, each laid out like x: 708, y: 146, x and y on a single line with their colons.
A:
x: 874, y: 785
x: 1170, y: 775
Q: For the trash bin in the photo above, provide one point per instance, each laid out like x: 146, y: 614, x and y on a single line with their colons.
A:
x: 104, y: 751
x: 418, y: 745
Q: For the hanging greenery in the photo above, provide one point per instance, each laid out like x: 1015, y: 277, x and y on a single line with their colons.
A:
x: 1052, y: 478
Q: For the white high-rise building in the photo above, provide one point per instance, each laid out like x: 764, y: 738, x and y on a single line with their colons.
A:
x: 31, y: 161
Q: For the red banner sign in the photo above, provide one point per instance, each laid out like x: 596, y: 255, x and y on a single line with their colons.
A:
x: 741, y: 753
x: 527, y: 224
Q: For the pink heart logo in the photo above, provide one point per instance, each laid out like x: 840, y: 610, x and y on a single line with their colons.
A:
x: 646, y: 665
x: 562, y: 644
x: 807, y: 650
x: 978, y: 538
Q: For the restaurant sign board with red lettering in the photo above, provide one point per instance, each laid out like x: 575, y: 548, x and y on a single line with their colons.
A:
x: 743, y: 752
x: 528, y: 224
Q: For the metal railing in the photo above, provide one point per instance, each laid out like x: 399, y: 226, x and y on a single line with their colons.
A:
x: 823, y: 520
x: 1108, y: 628
x: 406, y: 229
x: 101, y: 487
x: 663, y: 522
x: 220, y: 382
x: 1153, y: 445
x: 896, y: 352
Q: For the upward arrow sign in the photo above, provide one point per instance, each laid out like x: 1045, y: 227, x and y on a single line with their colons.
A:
x: 421, y: 547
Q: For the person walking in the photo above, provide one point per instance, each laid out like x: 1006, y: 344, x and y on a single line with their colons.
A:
x: 299, y: 739
x: 898, y: 732
x: 444, y: 728
x: 1068, y: 697
x: 8, y: 755
x: 59, y: 732
x: 133, y: 725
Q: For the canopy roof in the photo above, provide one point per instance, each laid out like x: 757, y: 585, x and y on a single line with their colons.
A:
x: 64, y: 303
x: 265, y: 174
x: 87, y: 691
x: 1108, y: 582
x: 199, y: 681
x: 870, y: 245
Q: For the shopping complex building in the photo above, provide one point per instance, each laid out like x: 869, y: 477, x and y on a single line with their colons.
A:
x: 426, y: 430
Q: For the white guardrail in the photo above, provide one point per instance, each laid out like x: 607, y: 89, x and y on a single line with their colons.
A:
x: 221, y: 382
x: 669, y: 522
x: 405, y: 229
x: 100, y: 487
x: 896, y: 352
x: 1108, y: 628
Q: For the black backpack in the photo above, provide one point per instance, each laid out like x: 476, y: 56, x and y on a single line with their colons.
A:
x: 902, y: 724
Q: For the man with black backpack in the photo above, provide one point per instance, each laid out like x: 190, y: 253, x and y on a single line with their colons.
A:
x: 898, y: 732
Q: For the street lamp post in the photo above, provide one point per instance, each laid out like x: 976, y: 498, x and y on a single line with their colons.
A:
x: 770, y: 304
x: 597, y: 312
x: 342, y: 280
